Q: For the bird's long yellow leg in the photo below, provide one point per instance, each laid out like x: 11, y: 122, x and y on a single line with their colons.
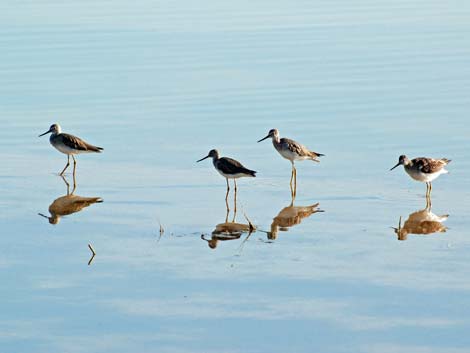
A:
x: 74, y: 164
x: 235, y: 200
x: 292, y: 190
x: 74, y: 169
x: 66, y: 166
x: 226, y: 195
x: 292, y: 175
x: 295, y: 181
x: 226, y: 215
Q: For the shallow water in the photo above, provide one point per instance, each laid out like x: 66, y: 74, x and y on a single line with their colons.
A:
x: 160, y: 84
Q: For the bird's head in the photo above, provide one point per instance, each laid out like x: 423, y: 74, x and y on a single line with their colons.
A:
x: 54, y: 129
x: 272, y: 133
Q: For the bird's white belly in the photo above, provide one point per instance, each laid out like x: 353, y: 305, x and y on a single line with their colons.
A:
x: 232, y: 176
x: 292, y: 156
x: 435, y: 218
x: 425, y: 177
x: 65, y: 149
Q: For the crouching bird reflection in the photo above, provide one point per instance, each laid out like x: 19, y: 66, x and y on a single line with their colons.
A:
x: 68, y: 204
x: 421, y: 222
x: 290, y: 216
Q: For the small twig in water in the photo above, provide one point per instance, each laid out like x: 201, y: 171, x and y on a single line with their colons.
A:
x: 93, y: 253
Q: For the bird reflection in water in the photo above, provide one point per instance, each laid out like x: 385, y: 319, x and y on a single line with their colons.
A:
x: 68, y: 204
x: 290, y: 216
x: 422, y: 222
x: 229, y: 230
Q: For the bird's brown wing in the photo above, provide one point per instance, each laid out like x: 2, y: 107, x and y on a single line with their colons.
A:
x: 299, y: 149
x: 294, y: 146
x: 429, y: 165
x: 77, y: 143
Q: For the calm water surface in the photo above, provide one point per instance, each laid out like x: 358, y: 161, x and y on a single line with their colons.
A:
x: 158, y: 84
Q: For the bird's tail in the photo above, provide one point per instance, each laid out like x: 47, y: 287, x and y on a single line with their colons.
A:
x: 251, y: 172
x: 92, y: 148
x: 314, y: 156
x: 446, y: 161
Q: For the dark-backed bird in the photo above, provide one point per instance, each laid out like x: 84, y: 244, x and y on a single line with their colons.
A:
x: 229, y: 168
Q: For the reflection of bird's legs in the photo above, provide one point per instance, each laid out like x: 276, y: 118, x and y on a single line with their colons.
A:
x: 428, y: 202
x: 235, y: 200
x: 74, y: 184
x: 66, y: 166
x: 74, y: 180
x: 293, y: 177
x: 66, y: 183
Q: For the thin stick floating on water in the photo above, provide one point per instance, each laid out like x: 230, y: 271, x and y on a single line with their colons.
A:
x: 93, y: 253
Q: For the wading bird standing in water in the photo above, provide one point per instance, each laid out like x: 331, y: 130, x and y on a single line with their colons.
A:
x: 293, y: 151
x: 230, y: 169
x: 69, y: 145
x: 424, y: 169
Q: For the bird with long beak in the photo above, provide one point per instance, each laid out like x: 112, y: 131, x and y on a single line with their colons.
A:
x: 423, y: 169
x: 229, y: 168
x: 293, y: 151
x: 69, y: 145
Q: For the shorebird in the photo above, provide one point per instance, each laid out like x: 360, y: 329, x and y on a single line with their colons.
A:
x: 423, y: 169
x: 291, y: 150
x: 229, y: 168
x: 69, y: 145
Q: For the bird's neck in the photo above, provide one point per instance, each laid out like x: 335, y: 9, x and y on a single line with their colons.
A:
x: 276, y: 139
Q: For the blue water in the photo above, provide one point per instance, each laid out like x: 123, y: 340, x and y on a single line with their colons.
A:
x: 159, y: 84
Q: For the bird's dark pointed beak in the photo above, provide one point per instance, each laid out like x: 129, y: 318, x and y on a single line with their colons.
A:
x: 398, y: 230
x: 48, y: 131
x: 202, y: 158
x: 395, y: 166
x: 40, y: 214
x: 264, y: 138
